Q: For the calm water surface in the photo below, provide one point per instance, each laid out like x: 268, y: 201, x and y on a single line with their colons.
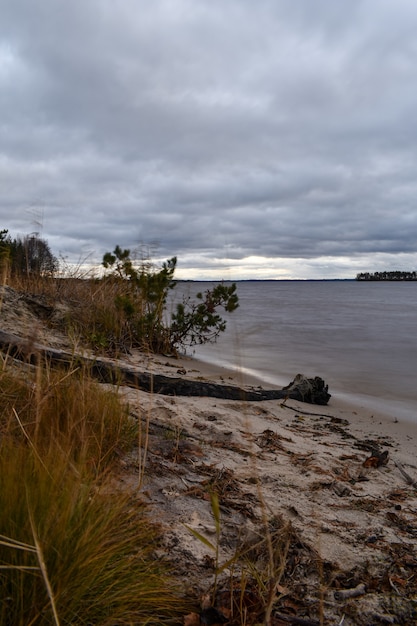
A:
x: 361, y: 337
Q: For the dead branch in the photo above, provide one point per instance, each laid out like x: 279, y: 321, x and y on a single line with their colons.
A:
x: 344, y: 594
x: 407, y: 477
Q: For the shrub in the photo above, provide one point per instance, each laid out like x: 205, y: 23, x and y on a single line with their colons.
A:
x: 144, y: 304
x: 199, y: 322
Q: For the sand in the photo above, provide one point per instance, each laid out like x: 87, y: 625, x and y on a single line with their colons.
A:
x: 315, y: 467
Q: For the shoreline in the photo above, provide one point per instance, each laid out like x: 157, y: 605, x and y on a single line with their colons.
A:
x: 386, y: 410
x: 358, y: 341
x: 362, y: 418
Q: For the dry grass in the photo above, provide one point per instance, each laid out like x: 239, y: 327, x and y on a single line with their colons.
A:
x: 73, y: 550
x: 92, y: 561
x: 91, y: 310
x: 65, y: 412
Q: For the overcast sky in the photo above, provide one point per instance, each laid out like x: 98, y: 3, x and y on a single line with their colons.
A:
x: 251, y: 138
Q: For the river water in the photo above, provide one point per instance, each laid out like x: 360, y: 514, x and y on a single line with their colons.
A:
x: 360, y: 337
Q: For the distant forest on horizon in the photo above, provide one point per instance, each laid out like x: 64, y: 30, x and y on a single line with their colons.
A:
x: 396, y: 275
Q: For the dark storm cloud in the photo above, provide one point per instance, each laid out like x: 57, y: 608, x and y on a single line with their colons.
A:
x: 215, y: 130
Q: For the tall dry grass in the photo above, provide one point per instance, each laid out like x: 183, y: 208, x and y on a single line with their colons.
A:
x: 73, y: 548
x: 94, y: 313
x: 95, y: 549
x: 67, y: 412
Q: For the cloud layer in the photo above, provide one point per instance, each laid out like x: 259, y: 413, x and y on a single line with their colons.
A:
x: 275, y: 138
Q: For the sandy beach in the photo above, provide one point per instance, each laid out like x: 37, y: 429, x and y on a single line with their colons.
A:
x: 342, y: 478
x: 333, y: 489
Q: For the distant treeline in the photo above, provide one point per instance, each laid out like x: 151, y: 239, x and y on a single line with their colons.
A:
x: 30, y: 256
x: 397, y: 275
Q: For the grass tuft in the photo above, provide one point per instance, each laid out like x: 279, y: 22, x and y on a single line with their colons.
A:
x: 73, y: 549
x: 94, y: 551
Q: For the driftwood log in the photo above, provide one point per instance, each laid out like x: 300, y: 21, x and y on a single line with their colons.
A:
x: 312, y: 390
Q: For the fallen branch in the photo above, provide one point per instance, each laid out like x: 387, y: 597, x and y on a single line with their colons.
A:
x: 407, y: 477
x: 344, y: 594
x: 107, y: 372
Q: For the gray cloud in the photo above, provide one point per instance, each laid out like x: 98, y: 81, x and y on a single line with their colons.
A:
x: 220, y: 130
